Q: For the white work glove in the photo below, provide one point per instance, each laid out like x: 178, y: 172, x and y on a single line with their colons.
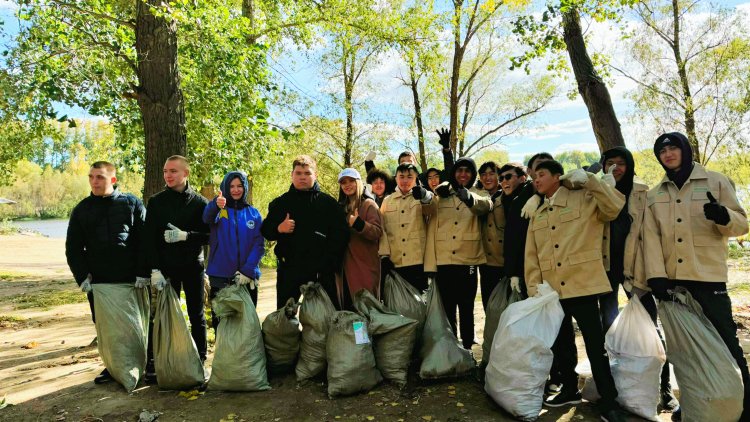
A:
x: 86, y: 285
x: 158, y: 280
x: 142, y: 282
x: 531, y: 206
x: 608, y: 178
x: 576, y: 177
x: 241, y: 280
x: 515, y: 284
x: 174, y: 235
x: 370, y: 156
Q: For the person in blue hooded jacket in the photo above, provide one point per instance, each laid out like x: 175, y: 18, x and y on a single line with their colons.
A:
x: 236, y: 244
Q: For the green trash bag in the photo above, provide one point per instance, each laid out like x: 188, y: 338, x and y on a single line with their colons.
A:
x: 401, y: 297
x: 122, y: 315
x: 502, y: 296
x: 442, y: 354
x: 178, y: 364
x: 709, y: 378
x: 351, y: 361
x: 239, y: 358
x: 314, y: 315
x: 394, y: 337
x: 281, y: 335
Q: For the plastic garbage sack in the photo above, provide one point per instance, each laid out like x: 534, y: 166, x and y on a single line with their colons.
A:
x: 521, y: 357
x: 394, y: 336
x: 401, y: 297
x: 442, y: 354
x: 636, y: 356
x: 351, y: 361
x: 239, y: 357
x: 502, y: 296
x: 314, y: 315
x: 710, y: 381
x: 178, y: 364
x: 122, y: 315
x: 281, y: 336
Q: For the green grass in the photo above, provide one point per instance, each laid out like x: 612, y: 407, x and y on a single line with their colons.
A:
x: 47, y: 299
x: 10, y: 321
x: 8, y: 275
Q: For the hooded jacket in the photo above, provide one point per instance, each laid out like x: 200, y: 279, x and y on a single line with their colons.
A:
x: 516, y: 228
x: 618, y: 231
x: 236, y: 243
x: 681, y: 141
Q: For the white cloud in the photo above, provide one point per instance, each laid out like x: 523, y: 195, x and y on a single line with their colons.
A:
x: 557, y: 130
x: 582, y: 146
x: 9, y: 5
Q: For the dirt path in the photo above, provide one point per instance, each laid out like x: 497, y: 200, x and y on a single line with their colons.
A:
x: 47, y: 366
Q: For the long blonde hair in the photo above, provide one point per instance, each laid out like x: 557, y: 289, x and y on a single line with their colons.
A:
x: 346, y: 201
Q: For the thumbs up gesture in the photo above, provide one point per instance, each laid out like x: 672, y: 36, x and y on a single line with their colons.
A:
x: 608, y: 177
x: 714, y: 211
x: 353, y: 218
x: 286, y: 226
x: 221, y: 202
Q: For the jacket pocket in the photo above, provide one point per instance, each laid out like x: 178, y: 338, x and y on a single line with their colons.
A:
x: 706, y: 240
x: 698, y: 199
x: 539, y: 223
x: 581, y: 257
x: 545, y: 264
x: 569, y: 216
x: 471, y: 236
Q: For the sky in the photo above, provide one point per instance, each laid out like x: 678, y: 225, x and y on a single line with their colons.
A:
x: 562, y: 126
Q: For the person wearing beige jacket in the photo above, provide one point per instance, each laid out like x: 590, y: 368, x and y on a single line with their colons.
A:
x: 564, y: 248
x: 404, y: 214
x: 454, y: 245
x: 690, y: 215
x: 493, y: 231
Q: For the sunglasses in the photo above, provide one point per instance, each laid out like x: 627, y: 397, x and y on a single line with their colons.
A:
x: 507, y: 176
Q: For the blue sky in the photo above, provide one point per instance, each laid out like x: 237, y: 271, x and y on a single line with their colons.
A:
x: 563, y: 126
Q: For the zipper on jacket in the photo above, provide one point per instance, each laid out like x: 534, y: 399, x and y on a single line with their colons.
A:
x: 237, y: 234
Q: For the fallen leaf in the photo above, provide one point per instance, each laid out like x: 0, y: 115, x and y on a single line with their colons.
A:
x: 32, y: 345
x: 427, y: 418
x: 451, y: 387
x: 394, y: 404
x: 371, y: 418
x: 192, y: 398
x: 459, y: 404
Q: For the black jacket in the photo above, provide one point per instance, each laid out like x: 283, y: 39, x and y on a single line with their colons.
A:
x: 320, y: 235
x: 104, y: 235
x: 515, y: 229
x: 185, y: 211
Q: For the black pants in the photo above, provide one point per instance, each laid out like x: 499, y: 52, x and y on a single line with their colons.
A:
x: 458, y: 288
x: 90, y: 297
x: 609, y: 304
x: 415, y: 275
x: 489, y: 278
x: 289, y: 280
x: 585, y: 310
x: 190, y: 280
x: 217, y: 285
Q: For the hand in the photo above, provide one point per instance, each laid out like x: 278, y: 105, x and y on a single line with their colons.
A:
x: 158, y: 280
x: 386, y: 265
x: 142, y: 282
x: 465, y: 196
x: 221, y: 202
x: 608, y: 177
x: 445, y: 138
x: 86, y: 285
x: 660, y: 287
x: 715, y: 211
x: 353, y: 218
x: 515, y: 284
x: 241, y: 279
x: 443, y: 191
x: 418, y: 192
x: 370, y: 156
x: 174, y: 234
x: 286, y: 226
x: 576, y: 177
x: 532, y: 204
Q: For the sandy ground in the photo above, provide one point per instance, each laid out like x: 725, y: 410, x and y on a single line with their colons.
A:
x: 47, y: 365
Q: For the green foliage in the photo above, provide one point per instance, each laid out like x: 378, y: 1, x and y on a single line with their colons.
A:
x: 47, y: 299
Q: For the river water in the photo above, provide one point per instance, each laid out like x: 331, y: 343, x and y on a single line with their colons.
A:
x: 53, y: 228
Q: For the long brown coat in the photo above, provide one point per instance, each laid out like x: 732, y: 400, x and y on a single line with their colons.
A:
x: 361, y: 265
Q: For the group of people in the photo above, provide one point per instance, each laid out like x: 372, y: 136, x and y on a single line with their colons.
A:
x: 465, y: 227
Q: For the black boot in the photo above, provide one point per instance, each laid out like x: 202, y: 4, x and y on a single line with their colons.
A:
x: 668, y: 401
x: 103, y: 377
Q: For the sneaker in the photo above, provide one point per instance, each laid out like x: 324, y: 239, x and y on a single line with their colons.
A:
x: 614, y: 415
x: 552, y: 387
x: 563, y: 398
x: 677, y: 415
x: 668, y: 401
x: 150, y: 375
x: 103, y: 377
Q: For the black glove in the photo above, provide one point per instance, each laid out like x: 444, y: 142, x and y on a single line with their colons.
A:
x: 418, y: 192
x: 445, y: 138
x: 715, y: 211
x: 443, y: 191
x: 386, y: 265
x: 660, y: 286
x: 465, y: 196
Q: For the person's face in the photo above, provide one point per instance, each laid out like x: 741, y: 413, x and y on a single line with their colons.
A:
x: 545, y: 182
x: 671, y: 157
x: 489, y: 179
x: 463, y: 175
x: 236, y: 190
x: 101, y: 182
x: 406, y: 180
x: 408, y: 159
x: 175, y: 173
x: 509, y: 181
x: 532, y: 169
x: 433, y: 180
x: 348, y: 186
x: 303, y: 177
x: 621, y: 168
x: 378, y: 187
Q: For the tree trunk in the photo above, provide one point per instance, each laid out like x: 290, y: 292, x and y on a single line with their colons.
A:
x: 458, y: 55
x: 418, y: 117
x: 159, y: 93
x: 248, y: 11
x: 591, y: 87
x: 687, y: 96
x: 348, y: 59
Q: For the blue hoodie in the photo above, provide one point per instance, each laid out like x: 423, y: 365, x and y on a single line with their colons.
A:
x: 236, y: 243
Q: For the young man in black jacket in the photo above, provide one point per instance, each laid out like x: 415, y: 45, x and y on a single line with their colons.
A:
x: 310, y: 231
x: 173, y: 243
x: 104, y: 235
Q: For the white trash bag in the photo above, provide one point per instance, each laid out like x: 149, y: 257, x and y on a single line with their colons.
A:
x: 521, y: 357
